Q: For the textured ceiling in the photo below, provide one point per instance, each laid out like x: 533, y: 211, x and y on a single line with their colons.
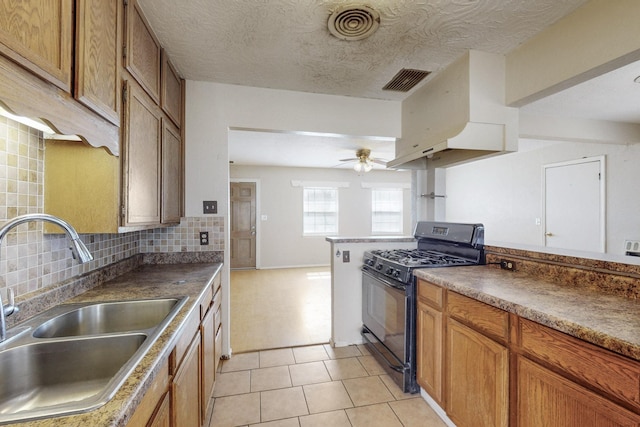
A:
x: 285, y: 44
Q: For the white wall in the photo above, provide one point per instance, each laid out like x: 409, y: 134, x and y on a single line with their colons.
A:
x: 505, y: 192
x: 212, y: 109
x: 281, y: 241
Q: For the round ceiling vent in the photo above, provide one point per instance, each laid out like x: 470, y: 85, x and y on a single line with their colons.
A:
x: 353, y: 22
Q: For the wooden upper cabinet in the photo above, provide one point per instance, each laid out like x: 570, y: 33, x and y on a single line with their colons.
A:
x: 171, y: 173
x: 98, y: 57
x: 141, y: 167
x: 38, y: 34
x: 171, y: 99
x: 142, y: 53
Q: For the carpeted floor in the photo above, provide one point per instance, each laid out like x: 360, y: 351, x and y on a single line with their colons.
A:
x: 280, y: 308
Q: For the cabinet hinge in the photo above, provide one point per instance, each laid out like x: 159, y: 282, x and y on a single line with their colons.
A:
x: 124, y: 93
x: 124, y: 52
x: 122, y: 211
x: 126, y: 2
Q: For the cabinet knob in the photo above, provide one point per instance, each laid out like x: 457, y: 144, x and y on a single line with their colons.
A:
x: 548, y: 234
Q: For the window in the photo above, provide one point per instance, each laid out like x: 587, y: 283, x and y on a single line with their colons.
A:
x: 320, y: 207
x: 386, y: 211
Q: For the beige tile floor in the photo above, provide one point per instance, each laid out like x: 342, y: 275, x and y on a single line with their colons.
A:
x: 280, y: 308
x: 313, y: 386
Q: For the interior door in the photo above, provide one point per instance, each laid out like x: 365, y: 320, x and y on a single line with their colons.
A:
x: 574, y: 205
x: 243, y: 224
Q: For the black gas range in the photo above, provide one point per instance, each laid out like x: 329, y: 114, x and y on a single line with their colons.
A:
x: 388, y: 291
x: 440, y: 244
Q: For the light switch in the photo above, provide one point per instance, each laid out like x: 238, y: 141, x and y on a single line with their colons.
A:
x: 263, y: 217
x: 210, y: 207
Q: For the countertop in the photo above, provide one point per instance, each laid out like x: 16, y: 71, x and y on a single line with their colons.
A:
x: 609, y: 321
x: 147, y: 281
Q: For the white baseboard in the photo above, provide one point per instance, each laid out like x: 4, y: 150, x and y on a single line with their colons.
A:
x: 438, y: 410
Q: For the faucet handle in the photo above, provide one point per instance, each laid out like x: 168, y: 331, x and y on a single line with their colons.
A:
x: 10, y: 307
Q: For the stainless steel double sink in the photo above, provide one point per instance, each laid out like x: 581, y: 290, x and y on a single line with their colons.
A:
x: 74, y: 357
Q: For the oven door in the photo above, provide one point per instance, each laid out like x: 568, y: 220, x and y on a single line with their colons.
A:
x: 384, y: 314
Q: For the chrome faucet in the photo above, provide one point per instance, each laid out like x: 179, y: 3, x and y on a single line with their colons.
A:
x: 79, y: 251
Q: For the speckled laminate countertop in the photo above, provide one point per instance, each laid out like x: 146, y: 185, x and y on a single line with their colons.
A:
x: 147, y: 281
x: 610, y: 321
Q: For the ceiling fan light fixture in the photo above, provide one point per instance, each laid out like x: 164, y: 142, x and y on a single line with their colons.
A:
x: 363, y: 165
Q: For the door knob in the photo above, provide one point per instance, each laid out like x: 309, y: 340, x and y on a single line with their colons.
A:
x: 548, y: 234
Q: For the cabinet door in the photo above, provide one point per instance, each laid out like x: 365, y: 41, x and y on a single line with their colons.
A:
x: 171, y: 173
x: 549, y: 400
x: 429, y: 350
x: 46, y: 47
x: 186, y: 388
x: 162, y: 417
x: 208, y: 362
x: 141, y: 169
x: 477, y: 378
x: 171, y: 99
x: 142, y: 51
x: 98, y: 57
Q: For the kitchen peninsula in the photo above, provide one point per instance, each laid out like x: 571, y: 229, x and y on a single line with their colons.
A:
x: 568, y: 326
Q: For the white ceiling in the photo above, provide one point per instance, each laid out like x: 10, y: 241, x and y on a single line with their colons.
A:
x: 285, y: 44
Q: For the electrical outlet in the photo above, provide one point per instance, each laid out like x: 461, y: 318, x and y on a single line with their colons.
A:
x: 204, y: 238
x: 210, y: 207
x: 346, y: 256
x: 506, y: 264
x: 632, y: 247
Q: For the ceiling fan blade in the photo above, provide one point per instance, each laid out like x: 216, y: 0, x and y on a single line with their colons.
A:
x: 348, y: 160
x: 378, y: 161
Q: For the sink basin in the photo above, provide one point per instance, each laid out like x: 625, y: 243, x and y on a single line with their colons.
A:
x: 107, y: 317
x: 74, y: 357
x: 43, y: 379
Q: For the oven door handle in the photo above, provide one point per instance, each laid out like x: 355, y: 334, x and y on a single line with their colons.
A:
x: 383, y: 280
x: 397, y: 368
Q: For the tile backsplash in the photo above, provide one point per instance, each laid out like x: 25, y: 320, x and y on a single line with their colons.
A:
x: 31, y: 261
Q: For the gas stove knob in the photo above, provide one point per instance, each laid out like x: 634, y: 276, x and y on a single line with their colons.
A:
x: 389, y: 271
x: 370, y: 262
x: 379, y: 267
x: 396, y: 273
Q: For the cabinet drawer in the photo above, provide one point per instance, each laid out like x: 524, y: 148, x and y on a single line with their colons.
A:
x: 430, y: 293
x: 590, y: 365
x: 483, y: 317
x: 217, y: 300
x: 205, y: 302
x: 191, y: 326
x: 152, y: 397
x: 217, y: 283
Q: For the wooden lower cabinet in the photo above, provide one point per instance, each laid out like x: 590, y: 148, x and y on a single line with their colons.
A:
x: 477, y: 378
x: 186, y: 388
x: 208, y: 331
x: 550, y: 400
x: 162, y: 417
x: 429, y: 350
x: 151, y: 408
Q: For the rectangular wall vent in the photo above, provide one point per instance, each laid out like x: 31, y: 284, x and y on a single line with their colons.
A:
x: 406, y: 79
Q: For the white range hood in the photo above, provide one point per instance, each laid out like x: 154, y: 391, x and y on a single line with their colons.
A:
x: 458, y: 116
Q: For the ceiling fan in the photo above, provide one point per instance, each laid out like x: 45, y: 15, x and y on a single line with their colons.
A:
x: 363, y: 160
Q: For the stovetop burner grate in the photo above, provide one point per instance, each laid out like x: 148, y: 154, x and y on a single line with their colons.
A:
x: 419, y: 258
